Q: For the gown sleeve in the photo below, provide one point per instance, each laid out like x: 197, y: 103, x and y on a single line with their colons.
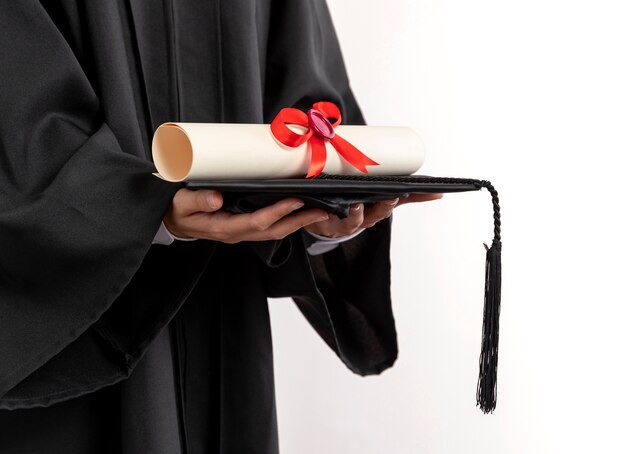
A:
x: 77, y: 212
x: 344, y: 293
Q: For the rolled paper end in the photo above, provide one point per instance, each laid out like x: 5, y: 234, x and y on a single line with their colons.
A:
x: 172, y: 152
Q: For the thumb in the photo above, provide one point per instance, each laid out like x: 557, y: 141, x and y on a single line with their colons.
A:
x: 205, y: 200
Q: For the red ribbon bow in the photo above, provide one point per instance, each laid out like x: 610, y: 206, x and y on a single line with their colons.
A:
x: 319, y: 129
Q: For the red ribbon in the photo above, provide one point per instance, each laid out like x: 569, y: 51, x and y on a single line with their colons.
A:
x: 319, y: 129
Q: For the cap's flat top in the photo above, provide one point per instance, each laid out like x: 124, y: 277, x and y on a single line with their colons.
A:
x: 328, y: 184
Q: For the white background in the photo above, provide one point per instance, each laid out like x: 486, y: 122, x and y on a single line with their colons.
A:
x: 532, y: 96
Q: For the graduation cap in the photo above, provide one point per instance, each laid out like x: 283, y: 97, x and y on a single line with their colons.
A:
x: 253, y: 167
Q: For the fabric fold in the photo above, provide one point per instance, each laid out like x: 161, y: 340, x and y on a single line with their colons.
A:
x: 345, y: 296
x: 78, y: 208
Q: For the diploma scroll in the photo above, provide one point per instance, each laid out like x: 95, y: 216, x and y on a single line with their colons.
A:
x: 207, y: 151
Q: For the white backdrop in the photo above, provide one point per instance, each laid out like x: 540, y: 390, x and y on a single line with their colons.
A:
x: 532, y: 96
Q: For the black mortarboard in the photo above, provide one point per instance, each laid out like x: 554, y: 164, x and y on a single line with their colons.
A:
x: 336, y: 193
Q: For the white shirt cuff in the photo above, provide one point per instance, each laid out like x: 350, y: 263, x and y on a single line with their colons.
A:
x: 163, y: 236
x: 326, y: 244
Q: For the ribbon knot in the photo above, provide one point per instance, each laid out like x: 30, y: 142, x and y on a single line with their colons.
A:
x: 318, y: 130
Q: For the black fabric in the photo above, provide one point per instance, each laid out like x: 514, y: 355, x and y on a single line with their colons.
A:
x: 111, y: 344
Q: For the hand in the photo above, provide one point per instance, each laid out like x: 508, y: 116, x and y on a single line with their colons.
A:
x: 197, y: 214
x: 364, y: 217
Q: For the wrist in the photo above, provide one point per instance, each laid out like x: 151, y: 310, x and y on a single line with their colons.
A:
x: 174, y: 233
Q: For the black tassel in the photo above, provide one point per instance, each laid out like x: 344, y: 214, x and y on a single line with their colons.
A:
x: 486, y: 390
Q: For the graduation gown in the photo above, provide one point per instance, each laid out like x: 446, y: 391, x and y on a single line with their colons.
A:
x: 107, y: 342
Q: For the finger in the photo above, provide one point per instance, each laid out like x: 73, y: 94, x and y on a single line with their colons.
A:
x: 379, y: 211
x: 265, y: 217
x: 231, y: 228
x: 187, y: 202
x: 242, y: 226
x: 336, y: 227
x: 412, y: 198
x: 293, y: 223
x: 354, y: 219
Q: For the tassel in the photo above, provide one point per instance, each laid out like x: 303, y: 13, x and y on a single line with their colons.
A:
x: 486, y: 391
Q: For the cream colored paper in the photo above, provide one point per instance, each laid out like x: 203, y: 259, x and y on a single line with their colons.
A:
x: 217, y: 151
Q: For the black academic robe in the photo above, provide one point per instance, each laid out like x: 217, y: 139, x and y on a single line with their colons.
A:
x: 107, y: 342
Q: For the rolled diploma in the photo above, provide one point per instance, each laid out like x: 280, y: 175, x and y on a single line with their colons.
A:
x: 217, y: 151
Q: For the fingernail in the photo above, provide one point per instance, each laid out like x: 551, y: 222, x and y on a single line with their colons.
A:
x: 393, y: 202
x: 296, y: 206
x: 355, y: 208
x: 321, y: 218
x: 211, y: 200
